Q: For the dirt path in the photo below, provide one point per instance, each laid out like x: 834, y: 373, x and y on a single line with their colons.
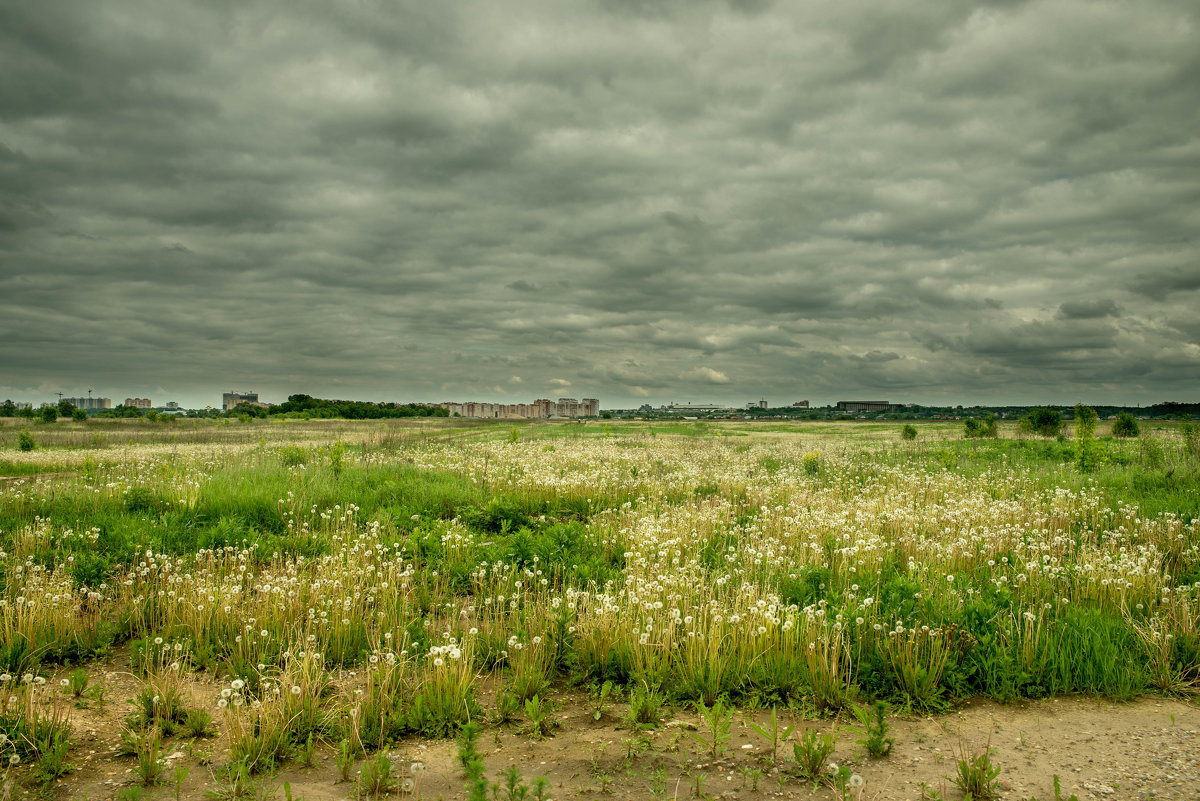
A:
x: 1148, y: 749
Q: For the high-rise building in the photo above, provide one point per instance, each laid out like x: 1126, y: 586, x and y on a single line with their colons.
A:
x: 89, y: 403
x: 137, y: 403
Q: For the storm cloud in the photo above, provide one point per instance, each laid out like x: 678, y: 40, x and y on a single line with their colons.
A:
x: 635, y: 200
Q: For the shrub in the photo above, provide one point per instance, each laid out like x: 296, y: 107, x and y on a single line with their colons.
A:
x: 1126, y: 425
x: 49, y: 414
x: 1045, y: 422
x: 908, y: 432
x: 26, y: 442
x: 980, y: 428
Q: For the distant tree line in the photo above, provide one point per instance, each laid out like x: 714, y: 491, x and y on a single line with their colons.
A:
x: 1169, y: 410
x: 310, y: 407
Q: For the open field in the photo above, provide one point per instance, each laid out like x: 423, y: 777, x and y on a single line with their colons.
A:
x: 223, y: 607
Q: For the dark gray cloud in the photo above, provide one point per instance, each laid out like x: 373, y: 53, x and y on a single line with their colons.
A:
x: 633, y: 200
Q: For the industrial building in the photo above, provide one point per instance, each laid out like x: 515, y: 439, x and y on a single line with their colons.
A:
x: 231, y: 399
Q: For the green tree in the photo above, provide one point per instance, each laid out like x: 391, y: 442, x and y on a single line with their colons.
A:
x: 65, y: 408
x: 8, y: 409
x: 908, y: 432
x: 1126, y: 425
x: 27, y: 412
x: 1046, y: 421
x: 49, y: 413
x: 79, y: 415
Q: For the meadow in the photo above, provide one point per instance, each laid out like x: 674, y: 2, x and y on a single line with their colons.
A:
x: 275, y: 594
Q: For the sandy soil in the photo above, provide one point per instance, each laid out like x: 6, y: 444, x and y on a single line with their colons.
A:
x: 1148, y: 749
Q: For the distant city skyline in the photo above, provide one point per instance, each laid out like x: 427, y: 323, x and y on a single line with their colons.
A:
x: 219, y: 401
x: 969, y: 201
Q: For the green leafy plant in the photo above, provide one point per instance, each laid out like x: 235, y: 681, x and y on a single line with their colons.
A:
x: 977, y: 776
x: 811, y: 751
x: 180, y: 776
x: 600, y: 699
x: 26, y: 442
x: 198, y: 723
x: 51, y: 763
x: 148, y: 749
x: 345, y: 759
x: 508, y: 707
x: 378, y: 776
x: 874, y: 729
x: 77, y: 682
x: 718, y: 720
x: 773, y: 735
x: 645, y: 708
x: 468, y: 739
x: 909, y: 432
x: 541, y: 722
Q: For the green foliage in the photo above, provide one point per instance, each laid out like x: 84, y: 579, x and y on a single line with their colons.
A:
x: 645, y: 708
x: 147, y: 746
x: 26, y: 442
x: 874, y: 729
x: 1126, y: 426
x: 977, y: 776
x: 1085, y: 437
x: 49, y: 414
x: 773, y: 735
x: 51, y: 750
x: 978, y: 429
x: 717, y: 720
x: 908, y: 432
x: 811, y: 751
x: 345, y: 759
x: 601, y: 697
x: 77, y: 682
x: 1045, y: 421
x: 541, y: 722
x: 378, y: 776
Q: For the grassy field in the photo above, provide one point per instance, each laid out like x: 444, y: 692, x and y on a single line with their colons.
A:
x: 351, y: 586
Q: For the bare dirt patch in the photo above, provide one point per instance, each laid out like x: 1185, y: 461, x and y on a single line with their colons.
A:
x: 1147, y: 749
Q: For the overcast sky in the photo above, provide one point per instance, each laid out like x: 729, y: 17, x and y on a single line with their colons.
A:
x: 635, y: 200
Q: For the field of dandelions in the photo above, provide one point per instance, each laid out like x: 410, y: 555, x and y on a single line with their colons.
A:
x: 355, y: 585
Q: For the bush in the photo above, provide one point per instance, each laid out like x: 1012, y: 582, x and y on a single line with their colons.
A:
x: 49, y: 414
x: 1045, y: 422
x: 908, y: 432
x: 26, y: 442
x: 980, y: 428
x: 79, y: 415
x: 1126, y: 426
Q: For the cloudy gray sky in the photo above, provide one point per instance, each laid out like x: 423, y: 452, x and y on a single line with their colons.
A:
x: 637, y: 200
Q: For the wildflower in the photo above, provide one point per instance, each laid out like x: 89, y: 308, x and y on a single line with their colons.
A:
x: 295, y: 689
x: 237, y: 684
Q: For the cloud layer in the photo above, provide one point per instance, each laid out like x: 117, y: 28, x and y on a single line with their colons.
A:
x: 626, y: 199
